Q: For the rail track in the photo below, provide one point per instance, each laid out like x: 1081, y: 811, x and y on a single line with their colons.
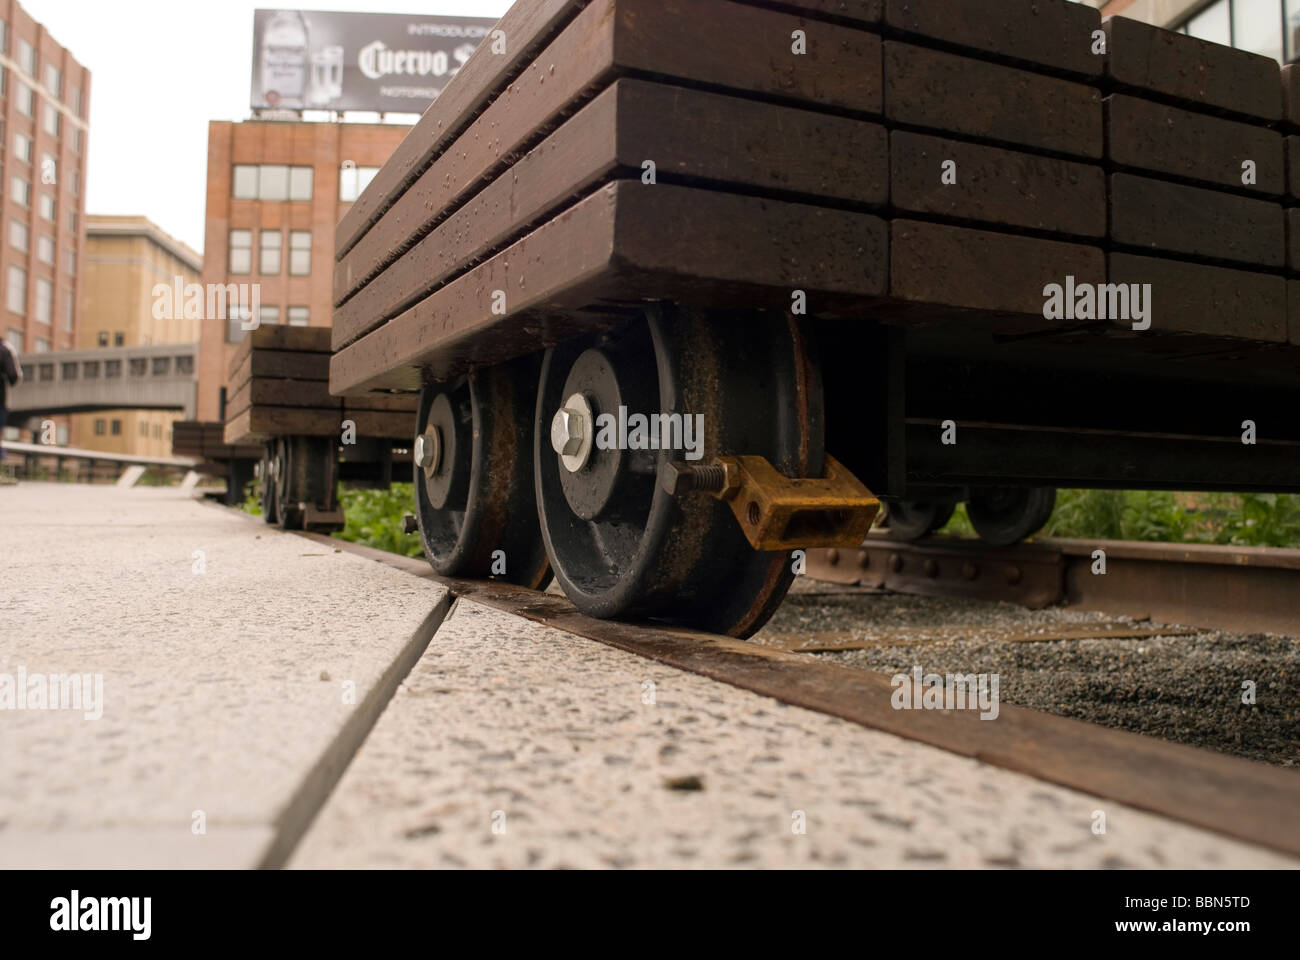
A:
x: 1244, y: 589
x: 1239, y: 798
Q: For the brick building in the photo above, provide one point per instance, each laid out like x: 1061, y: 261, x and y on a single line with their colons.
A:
x: 276, y: 190
x: 126, y: 258
x: 44, y: 103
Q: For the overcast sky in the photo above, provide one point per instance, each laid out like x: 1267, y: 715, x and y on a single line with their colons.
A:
x: 159, y: 71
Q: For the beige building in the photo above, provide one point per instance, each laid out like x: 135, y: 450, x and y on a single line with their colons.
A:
x: 126, y: 258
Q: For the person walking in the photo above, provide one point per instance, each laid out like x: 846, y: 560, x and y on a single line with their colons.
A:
x: 11, y: 374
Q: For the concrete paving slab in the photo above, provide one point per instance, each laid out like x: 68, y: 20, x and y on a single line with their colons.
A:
x: 237, y: 665
x: 516, y: 745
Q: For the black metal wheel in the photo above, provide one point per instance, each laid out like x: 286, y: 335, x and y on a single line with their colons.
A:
x: 266, y: 484
x: 474, y: 476
x: 304, y: 474
x: 910, y: 520
x: 620, y: 545
x: 1006, y: 515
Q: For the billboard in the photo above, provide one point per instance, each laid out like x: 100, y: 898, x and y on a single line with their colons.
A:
x: 317, y: 60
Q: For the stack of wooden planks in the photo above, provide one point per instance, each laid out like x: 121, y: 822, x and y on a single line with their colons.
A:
x: 205, y: 440
x: 893, y: 159
x: 278, y: 386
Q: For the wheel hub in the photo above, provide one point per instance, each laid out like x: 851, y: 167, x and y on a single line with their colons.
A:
x: 573, y: 432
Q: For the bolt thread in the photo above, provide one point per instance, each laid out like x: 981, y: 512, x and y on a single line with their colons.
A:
x: 709, y: 478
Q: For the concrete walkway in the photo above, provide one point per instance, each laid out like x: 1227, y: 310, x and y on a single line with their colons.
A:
x: 232, y: 657
x: 242, y: 667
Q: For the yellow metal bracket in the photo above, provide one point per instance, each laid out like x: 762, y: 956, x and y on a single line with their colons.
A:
x: 776, y: 512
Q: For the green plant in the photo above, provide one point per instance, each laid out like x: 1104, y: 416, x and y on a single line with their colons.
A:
x: 1243, y: 519
x: 374, y: 519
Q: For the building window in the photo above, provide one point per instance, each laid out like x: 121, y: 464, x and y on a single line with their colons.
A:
x: 160, y: 367
x: 18, y: 236
x: 53, y: 120
x: 271, y: 181
x: 112, y: 369
x: 4, y: 37
x: 23, y: 147
x: 16, y: 299
x: 69, y: 310
x: 101, y: 427
x: 26, y: 57
x: 117, y: 428
x: 270, y: 315
x: 44, y: 300
x: 236, y: 317
x: 119, y: 339
x: 241, y: 251
x: 22, y: 192
x: 244, y: 181
x: 103, y: 338
x: 157, y: 431
x: 74, y: 98
x: 78, y: 140
x: 24, y: 99
x: 47, y: 369
x: 354, y: 180
x: 271, y: 241
x: 300, y: 182
x: 49, y: 168
x: 74, y: 183
x: 48, y: 206
x: 45, y: 248
x: 1267, y: 27
x: 54, y: 80
x: 139, y: 366
x: 299, y: 253
x: 70, y: 261
x: 144, y: 429
x: 68, y: 371
x: 298, y: 316
x: 184, y: 366
x: 91, y: 369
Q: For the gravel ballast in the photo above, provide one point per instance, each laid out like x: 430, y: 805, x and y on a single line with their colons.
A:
x: 1187, y: 689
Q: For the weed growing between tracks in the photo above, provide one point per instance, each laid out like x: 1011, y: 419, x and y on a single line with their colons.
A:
x: 373, y: 517
x: 1239, y: 519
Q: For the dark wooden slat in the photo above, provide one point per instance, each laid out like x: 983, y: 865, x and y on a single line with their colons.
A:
x: 728, y: 250
x: 1143, y: 57
x: 968, y: 269
x: 260, y: 423
x: 688, y: 133
x: 1165, y: 139
x: 954, y: 94
x: 996, y: 186
x: 277, y: 337
x: 1293, y: 311
x: 393, y: 403
x: 1293, y: 167
x: 1293, y: 239
x: 1195, y: 298
x: 737, y: 47
x: 525, y: 26
x: 1052, y: 33
x: 282, y: 393
x: 392, y: 425
x: 1175, y: 218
